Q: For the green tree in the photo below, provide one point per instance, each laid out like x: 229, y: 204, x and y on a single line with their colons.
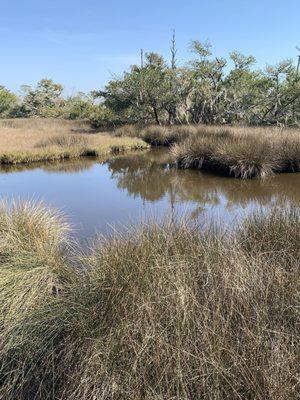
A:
x: 143, y: 94
x: 8, y: 103
x: 207, y: 90
x: 44, y: 100
x: 79, y: 106
x: 245, y: 91
x: 282, y: 100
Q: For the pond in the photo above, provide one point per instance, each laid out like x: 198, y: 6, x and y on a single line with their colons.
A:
x: 102, y: 196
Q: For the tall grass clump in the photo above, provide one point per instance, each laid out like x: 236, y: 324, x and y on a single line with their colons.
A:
x: 168, y: 135
x: 32, y: 272
x: 158, y: 312
x: 64, y: 141
x: 243, y: 153
x: 128, y: 130
x: 165, y: 135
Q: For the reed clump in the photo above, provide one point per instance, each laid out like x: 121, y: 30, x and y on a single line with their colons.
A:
x: 159, y: 312
x: 240, y: 152
x: 128, y: 130
x: 157, y: 135
x: 165, y: 135
x: 64, y: 141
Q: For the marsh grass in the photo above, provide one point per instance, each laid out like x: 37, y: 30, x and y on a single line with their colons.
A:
x: 240, y: 152
x: 64, y: 141
x: 165, y: 135
x: 54, y: 125
x: 128, y: 130
x: 158, y: 312
x: 168, y: 135
x: 32, y: 140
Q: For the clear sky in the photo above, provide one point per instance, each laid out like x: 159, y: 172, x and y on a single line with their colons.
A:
x: 83, y: 43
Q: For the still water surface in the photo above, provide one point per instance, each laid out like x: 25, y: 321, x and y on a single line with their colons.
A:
x: 98, y: 197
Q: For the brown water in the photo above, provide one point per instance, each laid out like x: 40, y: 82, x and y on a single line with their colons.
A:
x: 98, y: 197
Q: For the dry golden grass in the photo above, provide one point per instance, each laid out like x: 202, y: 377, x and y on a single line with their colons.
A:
x: 29, y: 140
x: 239, y: 152
x: 163, y: 312
x: 242, y: 152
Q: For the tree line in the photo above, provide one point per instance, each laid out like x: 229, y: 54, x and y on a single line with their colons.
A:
x: 206, y: 89
x: 46, y: 101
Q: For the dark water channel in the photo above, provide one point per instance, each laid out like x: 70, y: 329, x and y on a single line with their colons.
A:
x: 98, y: 197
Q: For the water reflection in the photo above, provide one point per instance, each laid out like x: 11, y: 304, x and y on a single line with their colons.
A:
x: 152, y: 177
x: 97, y: 195
x: 61, y: 166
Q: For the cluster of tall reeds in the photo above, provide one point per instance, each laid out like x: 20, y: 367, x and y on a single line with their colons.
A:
x: 159, y: 312
x: 235, y: 151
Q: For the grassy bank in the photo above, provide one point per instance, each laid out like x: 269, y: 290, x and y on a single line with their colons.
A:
x: 243, y: 153
x: 233, y: 151
x: 32, y: 140
x: 162, y: 312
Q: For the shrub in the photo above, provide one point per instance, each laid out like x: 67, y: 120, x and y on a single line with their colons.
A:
x: 102, y: 117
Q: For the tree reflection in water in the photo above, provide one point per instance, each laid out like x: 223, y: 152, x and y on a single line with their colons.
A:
x: 151, y: 176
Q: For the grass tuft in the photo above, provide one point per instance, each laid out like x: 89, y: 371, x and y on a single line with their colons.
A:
x: 243, y: 153
x: 159, y: 312
x: 127, y: 131
x: 164, y: 135
x: 64, y: 141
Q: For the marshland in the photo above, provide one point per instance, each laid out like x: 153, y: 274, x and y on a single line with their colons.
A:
x: 240, y: 152
x: 100, y: 195
x: 165, y: 311
x: 200, y: 299
x: 150, y: 229
x: 31, y: 140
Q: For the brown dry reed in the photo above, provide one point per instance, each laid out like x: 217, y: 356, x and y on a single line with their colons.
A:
x: 241, y: 152
x: 158, y: 312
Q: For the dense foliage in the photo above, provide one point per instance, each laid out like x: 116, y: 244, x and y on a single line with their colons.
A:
x: 8, y: 102
x: 206, y: 89
x: 46, y: 101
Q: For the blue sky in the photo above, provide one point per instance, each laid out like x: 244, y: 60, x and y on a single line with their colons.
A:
x: 83, y: 43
